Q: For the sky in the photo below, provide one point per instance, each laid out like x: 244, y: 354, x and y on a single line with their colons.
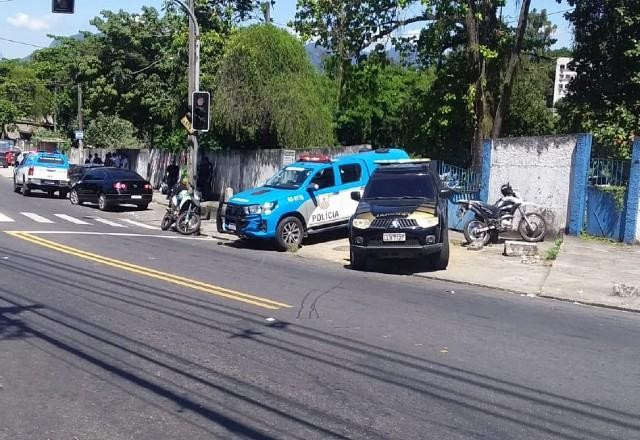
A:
x: 28, y: 22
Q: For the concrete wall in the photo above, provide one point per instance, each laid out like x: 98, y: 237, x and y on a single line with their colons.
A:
x: 237, y: 169
x: 539, y: 168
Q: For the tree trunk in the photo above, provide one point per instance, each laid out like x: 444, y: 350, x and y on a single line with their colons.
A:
x: 507, y: 85
x: 479, y: 72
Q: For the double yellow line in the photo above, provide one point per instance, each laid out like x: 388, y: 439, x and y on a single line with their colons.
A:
x: 152, y: 273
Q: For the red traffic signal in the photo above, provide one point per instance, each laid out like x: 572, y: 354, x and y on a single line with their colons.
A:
x: 62, y: 6
x: 200, y: 114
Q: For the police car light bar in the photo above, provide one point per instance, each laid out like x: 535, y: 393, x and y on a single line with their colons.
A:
x: 319, y: 158
x: 398, y: 161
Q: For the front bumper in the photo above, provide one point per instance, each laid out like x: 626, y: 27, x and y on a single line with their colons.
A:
x: 237, y: 223
x: 419, y: 242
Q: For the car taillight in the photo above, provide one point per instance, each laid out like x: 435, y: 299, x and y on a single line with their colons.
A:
x: 120, y: 186
x: 31, y: 171
x: 147, y: 186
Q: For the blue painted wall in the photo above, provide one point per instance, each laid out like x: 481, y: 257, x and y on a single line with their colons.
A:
x: 578, y: 191
x: 603, y: 218
x: 456, y: 223
x: 632, y: 228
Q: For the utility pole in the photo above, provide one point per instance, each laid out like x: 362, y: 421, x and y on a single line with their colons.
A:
x: 266, y: 8
x: 80, y: 125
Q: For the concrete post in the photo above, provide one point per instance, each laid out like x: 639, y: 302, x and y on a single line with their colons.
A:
x: 485, y: 176
x: 632, y: 220
x: 578, y: 191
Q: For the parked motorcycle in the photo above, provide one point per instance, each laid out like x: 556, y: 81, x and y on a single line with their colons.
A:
x: 184, y: 212
x: 491, y: 220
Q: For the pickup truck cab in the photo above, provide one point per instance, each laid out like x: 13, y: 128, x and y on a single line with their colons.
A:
x: 43, y: 171
x: 308, y: 196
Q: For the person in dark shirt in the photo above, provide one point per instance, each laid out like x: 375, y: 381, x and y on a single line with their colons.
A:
x: 96, y: 159
x: 205, y: 175
x: 108, y: 162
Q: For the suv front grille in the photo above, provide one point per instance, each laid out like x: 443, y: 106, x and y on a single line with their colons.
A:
x: 385, y: 223
x: 234, y: 211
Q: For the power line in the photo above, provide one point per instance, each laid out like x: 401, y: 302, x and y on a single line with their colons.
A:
x: 22, y: 42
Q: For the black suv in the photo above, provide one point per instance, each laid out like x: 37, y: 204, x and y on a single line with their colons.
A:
x: 402, y: 214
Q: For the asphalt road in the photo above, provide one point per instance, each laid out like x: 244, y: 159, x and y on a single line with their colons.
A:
x: 124, y: 332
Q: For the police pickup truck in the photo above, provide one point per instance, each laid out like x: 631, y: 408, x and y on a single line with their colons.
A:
x: 44, y: 171
x: 310, y: 195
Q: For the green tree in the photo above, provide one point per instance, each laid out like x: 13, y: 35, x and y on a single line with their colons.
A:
x: 604, y: 98
x: 111, y: 132
x: 268, y: 94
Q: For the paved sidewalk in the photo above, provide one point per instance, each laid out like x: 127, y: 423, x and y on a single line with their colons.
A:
x: 595, y: 272
x: 585, y: 271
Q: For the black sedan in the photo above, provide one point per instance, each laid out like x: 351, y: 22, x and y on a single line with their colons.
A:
x: 110, y: 187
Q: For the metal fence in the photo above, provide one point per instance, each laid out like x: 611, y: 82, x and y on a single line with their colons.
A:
x: 460, y: 179
x: 609, y: 172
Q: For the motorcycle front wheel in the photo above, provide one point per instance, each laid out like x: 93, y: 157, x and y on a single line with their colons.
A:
x: 536, y: 231
x: 188, y: 223
x: 166, y: 222
x: 472, y: 235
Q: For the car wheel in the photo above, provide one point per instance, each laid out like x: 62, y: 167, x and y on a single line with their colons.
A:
x: 358, y: 262
x: 440, y: 260
x: 24, y: 189
x: 143, y: 207
x: 74, y: 198
x: 51, y: 194
x: 63, y: 194
x: 16, y: 188
x: 289, y: 234
x: 103, y: 205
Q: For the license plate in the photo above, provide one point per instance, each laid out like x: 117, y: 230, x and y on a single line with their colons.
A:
x: 49, y: 182
x: 136, y: 197
x: 231, y: 226
x: 394, y: 237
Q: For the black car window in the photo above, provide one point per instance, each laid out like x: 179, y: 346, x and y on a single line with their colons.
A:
x: 324, y: 178
x: 117, y: 174
x: 397, y: 185
x: 95, y: 175
x: 350, y: 173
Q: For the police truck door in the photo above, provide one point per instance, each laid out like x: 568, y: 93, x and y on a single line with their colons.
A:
x: 326, y: 199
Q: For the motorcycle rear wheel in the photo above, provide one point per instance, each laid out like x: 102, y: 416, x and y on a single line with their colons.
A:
x: 166, y: 222
x: 188, y: 223
x: 538, y: 230
x: 471, y: 235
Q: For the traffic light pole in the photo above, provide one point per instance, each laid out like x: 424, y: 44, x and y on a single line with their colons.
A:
x: 194, y: 78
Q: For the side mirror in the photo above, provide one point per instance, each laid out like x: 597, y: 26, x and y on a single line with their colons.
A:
x: 355, y: 195
x: 445, y: 193
x: 313, y: 187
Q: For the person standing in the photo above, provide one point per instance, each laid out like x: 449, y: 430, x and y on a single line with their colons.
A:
x: 96, y: 159
x: 108, y: 162
x: 205, y: 175
x: 116, y: 160
x: 124, y: 163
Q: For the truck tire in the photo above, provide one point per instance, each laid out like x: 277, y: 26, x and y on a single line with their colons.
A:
x: 289, y: 234
x: 358, y: 262
x: 24, y: 189
x: 440, y: 260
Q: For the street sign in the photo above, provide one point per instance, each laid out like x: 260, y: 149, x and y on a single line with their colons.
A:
x: 62, y: 6
x: 79, y: 135
x: 288, y: 157
x: 186, y: 123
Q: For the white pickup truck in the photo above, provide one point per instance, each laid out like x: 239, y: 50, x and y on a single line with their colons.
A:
x: 47, y: 172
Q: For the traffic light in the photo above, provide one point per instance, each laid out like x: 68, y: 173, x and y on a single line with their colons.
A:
x: 200, y: 116
x: 62, y: 6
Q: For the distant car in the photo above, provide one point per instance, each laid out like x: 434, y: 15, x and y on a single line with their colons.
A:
x: 42, y: 171
x: 109, y: 187
x: 77, y: 172
x: 401, y: 214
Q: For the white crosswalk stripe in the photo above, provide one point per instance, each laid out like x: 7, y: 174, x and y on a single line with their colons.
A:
x: 108, y: 222
x: 71, y: 219
x: 36, y: 217
x: 142, y: 225
x: 5, y: 219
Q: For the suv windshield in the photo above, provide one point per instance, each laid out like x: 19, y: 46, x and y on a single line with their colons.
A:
x: 399, y: 186
x: 289, y: 178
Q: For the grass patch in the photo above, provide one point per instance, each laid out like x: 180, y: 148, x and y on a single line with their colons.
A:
x: 586, y: 236
x: 552, y: 253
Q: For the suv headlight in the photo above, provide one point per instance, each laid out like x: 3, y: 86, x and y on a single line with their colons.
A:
x: 268, y: 207
x: 252, y: 209
x: 361, y: 223
x: 427, y: 222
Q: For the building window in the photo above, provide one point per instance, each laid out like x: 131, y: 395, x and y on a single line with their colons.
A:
x: 562, y: 66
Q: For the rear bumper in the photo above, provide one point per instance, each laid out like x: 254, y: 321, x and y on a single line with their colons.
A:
x: 144, y: 199
x: 48, y: 185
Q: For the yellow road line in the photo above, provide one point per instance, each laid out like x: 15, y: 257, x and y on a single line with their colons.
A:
x: 140, y: 270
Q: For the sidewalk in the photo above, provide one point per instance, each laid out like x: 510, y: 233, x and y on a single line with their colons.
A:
x: 585, y: 271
